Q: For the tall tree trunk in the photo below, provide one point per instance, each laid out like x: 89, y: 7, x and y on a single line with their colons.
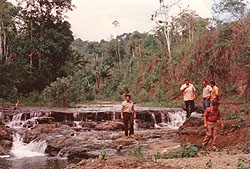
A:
x: 4, y: 44
x: 167, y: 37
x: 140, y: 55
x: 31, y: 36
x: 1, y: 49
x: 30, y: 57
x: 119, y: 56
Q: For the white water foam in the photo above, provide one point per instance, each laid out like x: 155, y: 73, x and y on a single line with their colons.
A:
x: 19, y: 148
x: 77, y: 124
x: 155, y: 122
x: 176, y: 119
x: 135, y: 124
x: 32, y: 149
x: 113, y: 116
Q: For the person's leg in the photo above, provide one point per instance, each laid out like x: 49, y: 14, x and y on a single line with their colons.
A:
x: 215, y: 129
x: 126, y: 123
x: 192, y: 106
x: 208, y: 135
x: 131, y: 121
x: 206, y: 104
x: 187, y: 103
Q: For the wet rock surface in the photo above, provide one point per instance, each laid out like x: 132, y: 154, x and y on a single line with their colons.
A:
x: 86, y: 132
x: 5, y: 139
x: 73, y: 143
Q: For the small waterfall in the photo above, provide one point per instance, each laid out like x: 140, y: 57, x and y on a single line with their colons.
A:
x: 162, y: 118
x: 78, y: 124
x: 113, y: 116
x: 76, y: 116
x: 21, y: 149
x: 16, y: 121
x: 176, y: 119
x: 135, y: 124
x: 155, y: 122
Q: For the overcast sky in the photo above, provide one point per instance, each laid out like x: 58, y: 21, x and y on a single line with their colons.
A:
x: 92, y: 19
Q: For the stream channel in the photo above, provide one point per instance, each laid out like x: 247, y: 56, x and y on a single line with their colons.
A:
x: 57, y: 138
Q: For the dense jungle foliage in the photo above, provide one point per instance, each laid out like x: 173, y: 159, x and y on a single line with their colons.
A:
x: 42, y: 62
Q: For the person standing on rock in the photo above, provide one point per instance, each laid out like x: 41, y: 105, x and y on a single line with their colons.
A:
x: 128, y: 115
x: 212, y: 114
x: 207, y: 89
x: 215, y: 92
x: 188, y: 91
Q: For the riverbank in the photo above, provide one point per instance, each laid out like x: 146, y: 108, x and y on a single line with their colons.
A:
x: 217, y: 160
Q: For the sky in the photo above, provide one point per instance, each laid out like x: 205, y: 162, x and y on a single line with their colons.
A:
x: 92, y: 19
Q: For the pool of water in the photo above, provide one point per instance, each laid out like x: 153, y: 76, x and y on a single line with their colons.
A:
x: 41, y: 162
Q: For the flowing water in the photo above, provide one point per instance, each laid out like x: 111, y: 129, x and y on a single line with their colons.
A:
x: 32, y: 155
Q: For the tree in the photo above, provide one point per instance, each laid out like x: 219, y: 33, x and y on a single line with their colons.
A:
x: 7, y: 28
x: 231, y: 9
x: 163, y: 19
x: 116, y: 24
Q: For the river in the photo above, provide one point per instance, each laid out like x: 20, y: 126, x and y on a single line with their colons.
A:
x: 33, y: 155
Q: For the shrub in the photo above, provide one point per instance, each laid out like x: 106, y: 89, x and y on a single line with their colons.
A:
x: 143, y: 96
x: 187, y: 151
x: 67, y: 90
x: 137, y: 151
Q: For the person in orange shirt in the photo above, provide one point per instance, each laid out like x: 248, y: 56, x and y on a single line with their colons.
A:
x: 188, y: 91
x: 215, y: 92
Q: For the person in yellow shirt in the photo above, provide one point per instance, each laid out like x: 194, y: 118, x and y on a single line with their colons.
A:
x: 188, y: 91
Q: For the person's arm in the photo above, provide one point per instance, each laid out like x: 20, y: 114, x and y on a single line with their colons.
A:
x: 122, y: 110
x: 205, y: 121
x: 184, y: 88
x: 122, y: 115
x: 221, y: 123
x: 217, y: 93
x: 133, y: 110
x: 205, y: 118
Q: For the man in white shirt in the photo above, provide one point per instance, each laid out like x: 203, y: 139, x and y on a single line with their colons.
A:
x: 206, y: 94
x: 188, y: 91
x: 128, y: 115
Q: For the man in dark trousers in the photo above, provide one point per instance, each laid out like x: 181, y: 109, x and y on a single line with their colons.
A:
x: 128, y: 115
x: 188, y: 91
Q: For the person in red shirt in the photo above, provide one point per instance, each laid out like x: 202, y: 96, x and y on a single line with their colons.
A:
x: 212, y: 114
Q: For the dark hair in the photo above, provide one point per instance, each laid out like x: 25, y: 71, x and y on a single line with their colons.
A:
x: 127, y: 95
x: 215, y: 103
x: 212, y: 82
x: 186, y: 80
x: 204, y: 81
